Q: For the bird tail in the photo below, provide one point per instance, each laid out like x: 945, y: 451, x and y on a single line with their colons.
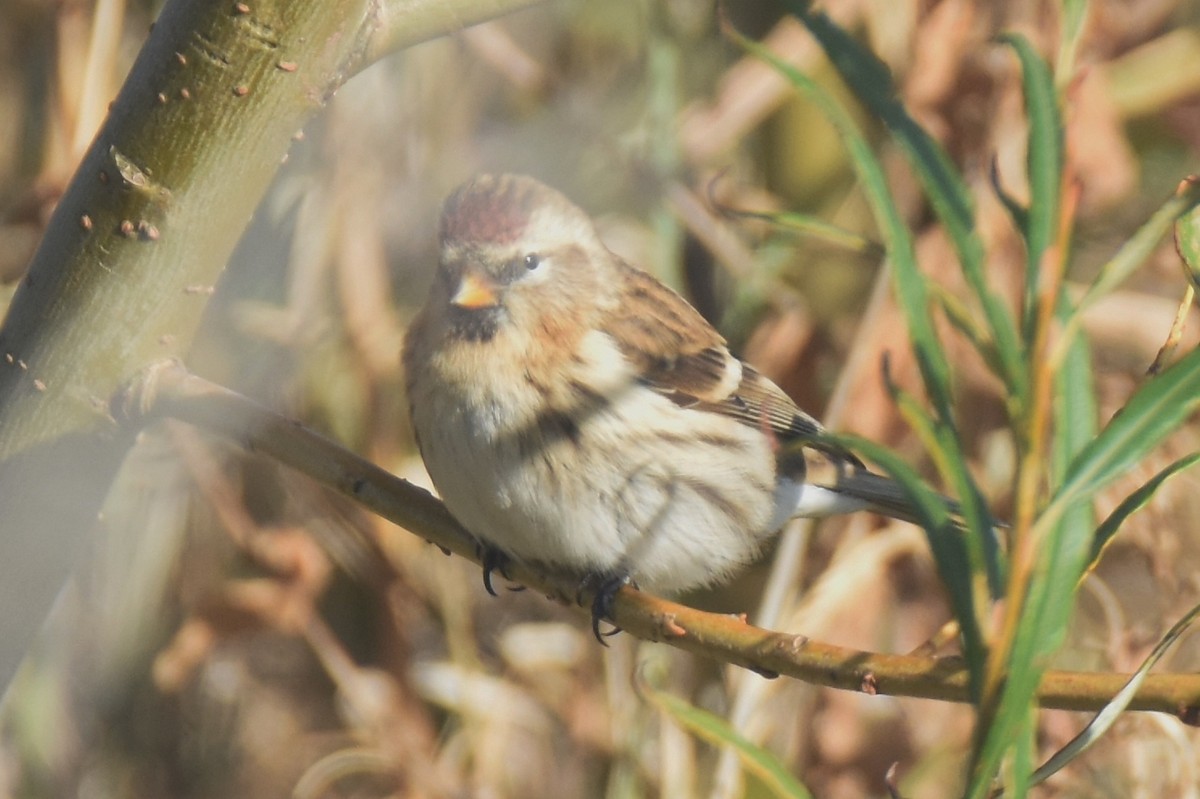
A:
x: 857, y: 490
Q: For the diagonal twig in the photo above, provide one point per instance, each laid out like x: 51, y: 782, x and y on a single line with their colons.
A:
x: 167, y: 389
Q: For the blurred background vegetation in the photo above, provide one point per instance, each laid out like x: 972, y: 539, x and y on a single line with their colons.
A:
x: 236, y: 631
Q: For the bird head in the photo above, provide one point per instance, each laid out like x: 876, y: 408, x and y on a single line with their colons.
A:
x: 513, y: 250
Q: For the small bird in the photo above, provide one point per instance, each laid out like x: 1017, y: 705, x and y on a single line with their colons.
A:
x: 575, y: 412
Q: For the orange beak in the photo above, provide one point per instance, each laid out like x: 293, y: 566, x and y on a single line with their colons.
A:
x: 475, y: 291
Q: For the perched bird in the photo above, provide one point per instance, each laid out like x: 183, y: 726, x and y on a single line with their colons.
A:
x: 573, y: 411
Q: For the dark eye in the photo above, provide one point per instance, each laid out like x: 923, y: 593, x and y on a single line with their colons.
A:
x: 533, y: 261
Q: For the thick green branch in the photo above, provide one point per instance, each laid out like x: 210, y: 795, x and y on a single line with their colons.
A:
x: 141, y: 236
x: 163, y: 194
x: 168, y: 390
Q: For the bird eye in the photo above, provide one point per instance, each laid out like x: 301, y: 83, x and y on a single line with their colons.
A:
x: 533, y: 261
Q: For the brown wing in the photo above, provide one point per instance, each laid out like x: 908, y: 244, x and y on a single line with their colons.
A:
x: 659, y: 332
x: 680, y: 355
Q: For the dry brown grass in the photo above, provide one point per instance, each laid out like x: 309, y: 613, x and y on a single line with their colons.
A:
x: 237, y: 632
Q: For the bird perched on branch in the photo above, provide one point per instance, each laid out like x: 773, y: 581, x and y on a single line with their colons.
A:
x: 575, y: 412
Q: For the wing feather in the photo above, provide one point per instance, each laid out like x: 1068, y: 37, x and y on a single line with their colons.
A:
x: 679, y: 354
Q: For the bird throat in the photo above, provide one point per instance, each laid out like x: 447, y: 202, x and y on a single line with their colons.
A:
x: 475, y: 324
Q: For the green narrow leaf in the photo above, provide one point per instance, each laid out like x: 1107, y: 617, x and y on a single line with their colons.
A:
x: 1050, y: 599
x: 872, y: 83
x: 910, y: 283
x: 1180, y: 211
x: 1062, y: 546
x: 1045, y: 165
x: 1112, y: 711
x: 1156, y: 409
x: 985, y: 555
x: 1075, y: 420
x: 1017, y: 212
x: 947, y: 541
x: 715, y: 730
x: 1024, y: 750
x: 951, y: 200
x: 1187, y: 229
x: 815, y: 227
x: 912, y: 292
x: 1074, y: 13
x: 1135, y: 502
x: 1159, y: 407
x: 965, y: 322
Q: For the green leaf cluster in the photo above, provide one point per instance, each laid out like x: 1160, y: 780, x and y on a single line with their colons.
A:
x: 1065, y: 456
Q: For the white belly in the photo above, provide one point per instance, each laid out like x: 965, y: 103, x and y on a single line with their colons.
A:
x: 608, y: 496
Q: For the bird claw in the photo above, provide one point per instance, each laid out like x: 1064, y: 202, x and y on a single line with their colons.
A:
x: 493, y: 560
x: 606, y: 587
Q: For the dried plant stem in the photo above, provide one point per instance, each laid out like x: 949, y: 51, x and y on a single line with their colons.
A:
x: 168, y: 390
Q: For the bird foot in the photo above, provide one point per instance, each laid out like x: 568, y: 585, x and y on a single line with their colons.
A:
x: 605, y: 587
x: 493, y: 560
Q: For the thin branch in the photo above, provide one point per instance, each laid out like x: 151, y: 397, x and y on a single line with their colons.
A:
x: 401, y: 23
x: 168, y: 390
